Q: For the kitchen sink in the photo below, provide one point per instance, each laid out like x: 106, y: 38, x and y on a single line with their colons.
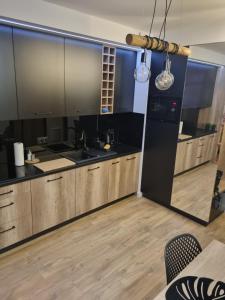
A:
x: 81, y: 156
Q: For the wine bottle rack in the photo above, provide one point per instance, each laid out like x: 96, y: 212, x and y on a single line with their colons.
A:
x: 108, y: 79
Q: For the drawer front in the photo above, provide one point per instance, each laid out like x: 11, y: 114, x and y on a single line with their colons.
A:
x: 14, y: 190
x: 15, y: 231
x: 15, y: 202
x: 15, y: 207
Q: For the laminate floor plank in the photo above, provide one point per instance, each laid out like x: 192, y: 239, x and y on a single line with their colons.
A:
x: 115, y: 253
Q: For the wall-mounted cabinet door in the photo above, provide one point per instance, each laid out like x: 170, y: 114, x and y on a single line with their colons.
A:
x: 124, y: 80
x: 83, y: 71
x: 8, y: 100
x: 39, y: 62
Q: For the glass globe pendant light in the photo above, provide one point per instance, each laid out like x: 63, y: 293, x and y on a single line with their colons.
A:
x: 142, y: 73
x: 165, y: 79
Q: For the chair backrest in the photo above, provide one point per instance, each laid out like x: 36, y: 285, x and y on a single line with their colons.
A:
x: 179, y: 252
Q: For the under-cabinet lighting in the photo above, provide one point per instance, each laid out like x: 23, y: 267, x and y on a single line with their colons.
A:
x: 27, y: 25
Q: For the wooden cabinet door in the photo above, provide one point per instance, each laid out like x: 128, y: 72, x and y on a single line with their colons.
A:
x: 53, y: 200
x: 114, y: 191
x: 8, y: 99
x: 39, y: 63
x: 91, y: 187
x: 211, y: 147
x: 180, y: 157
x: 129, y: 174
x: 83, y: 74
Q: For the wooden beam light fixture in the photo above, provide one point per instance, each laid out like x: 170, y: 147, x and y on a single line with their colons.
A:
x: 156, y: 44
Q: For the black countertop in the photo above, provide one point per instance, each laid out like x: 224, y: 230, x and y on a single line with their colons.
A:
x: 197, y: 134
x: 9, y: 174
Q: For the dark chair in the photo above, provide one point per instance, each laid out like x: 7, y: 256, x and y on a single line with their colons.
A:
x: 179, y: 252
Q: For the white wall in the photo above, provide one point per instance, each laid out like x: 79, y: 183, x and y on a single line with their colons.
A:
x: 207, y: 55
x: 48, y: 14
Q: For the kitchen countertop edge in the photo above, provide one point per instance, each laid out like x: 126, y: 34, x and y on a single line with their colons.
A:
x: 76, y: 166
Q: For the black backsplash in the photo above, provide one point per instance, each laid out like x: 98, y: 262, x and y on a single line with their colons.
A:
x: 128, y: 128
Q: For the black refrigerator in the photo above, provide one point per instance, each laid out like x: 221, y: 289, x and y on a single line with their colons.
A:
x: 162, y: 128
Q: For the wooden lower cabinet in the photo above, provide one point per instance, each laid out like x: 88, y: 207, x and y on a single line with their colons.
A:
x: 123, y: 176
x: 195, y: 152
x: 129, y: 174
x: 180, y: 157
x: 33, y: 206
x: 115, y: 174
x: 15, y: 231
x: 91, y: 187
x: 15, y: 202
x: 53, y: 200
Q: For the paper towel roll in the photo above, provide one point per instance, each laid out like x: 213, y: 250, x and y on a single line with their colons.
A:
x: 19, y: 154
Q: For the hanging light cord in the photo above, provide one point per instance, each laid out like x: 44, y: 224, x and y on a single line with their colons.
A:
x: 153, y: 17
x: 163, y: 28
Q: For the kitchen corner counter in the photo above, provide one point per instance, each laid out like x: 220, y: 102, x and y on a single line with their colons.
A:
x: 197, y: 134
x: 9, y: 174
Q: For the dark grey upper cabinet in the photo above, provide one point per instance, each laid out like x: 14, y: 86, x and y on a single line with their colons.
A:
x: 124, y: 80
x: 8, y: 100
x: 83, y: 70
x: 39, y: 63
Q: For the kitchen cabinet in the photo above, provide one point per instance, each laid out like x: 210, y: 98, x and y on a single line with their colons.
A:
x: 195, y: 152
x: 15, y: 231
x: 83, y: 71
x: 39, y: 64
x: 124, y: 80
x: 180, y: 156
x: 114, y: 191
x: 129, y: 175
x: 91, y: 187
x: 15, y: 213
x: 15, y: 202
x: 8, y: 99
x: 53, y: 200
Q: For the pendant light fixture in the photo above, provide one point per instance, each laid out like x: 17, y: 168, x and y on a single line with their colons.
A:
x: 143, y: 73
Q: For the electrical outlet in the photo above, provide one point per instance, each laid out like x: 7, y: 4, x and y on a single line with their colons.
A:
x: 42, y: 140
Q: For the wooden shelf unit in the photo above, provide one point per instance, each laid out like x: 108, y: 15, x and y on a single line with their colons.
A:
x: 108, y: 79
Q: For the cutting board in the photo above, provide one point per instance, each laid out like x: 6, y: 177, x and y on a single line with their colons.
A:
x: 55, y: 164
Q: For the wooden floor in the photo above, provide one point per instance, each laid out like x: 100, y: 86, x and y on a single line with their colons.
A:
x: 193, y: 191
x: 115, y: 253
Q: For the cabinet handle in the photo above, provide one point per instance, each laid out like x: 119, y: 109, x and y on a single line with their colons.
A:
x: 43, y: 113
x: 6, y: 205
x: 13, y: 227
x: 50, y: 180
x: 188, y: 143
x: 116, y: 162
x: 93, y: 169
x: 6, y: 193
x: 131, y: 158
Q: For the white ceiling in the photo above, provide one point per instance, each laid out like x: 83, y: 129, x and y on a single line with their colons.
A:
x: 217, y: 47
x: 137, y: 13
